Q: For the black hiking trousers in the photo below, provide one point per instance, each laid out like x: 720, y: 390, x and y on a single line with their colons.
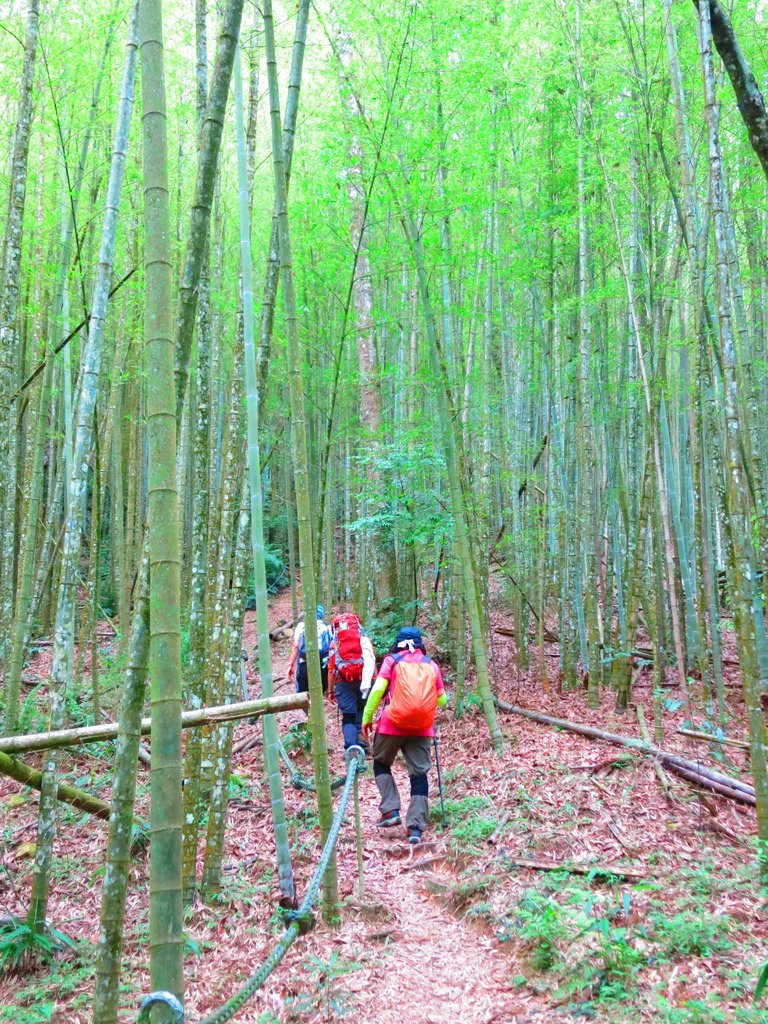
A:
x: 302, y: 678
x: 350, y: 704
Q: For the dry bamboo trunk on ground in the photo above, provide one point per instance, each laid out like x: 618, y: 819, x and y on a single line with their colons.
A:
x: 691, y: 771
x: 189, y: 720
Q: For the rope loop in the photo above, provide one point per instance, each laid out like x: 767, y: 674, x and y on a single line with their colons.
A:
x: 357, y: 754
x: 299, y: 921
x: 166, y: 998
x: 305, y: 919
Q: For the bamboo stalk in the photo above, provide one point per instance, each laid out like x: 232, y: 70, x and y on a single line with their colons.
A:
x: 189, y: 720
x: 660, y: 773
x: 716, y: 787
x: 271, y: 759
x: 689, y: 770
x: 577, y: 869
x: 726, y: 740
x: 21, y: 772
x: 301, y: 468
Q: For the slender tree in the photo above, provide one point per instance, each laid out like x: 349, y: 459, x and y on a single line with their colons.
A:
x: 165, y: 907
x: 269, y: 725
x: 63, y: 641
x: 9, y: 300
x: 301, y: 470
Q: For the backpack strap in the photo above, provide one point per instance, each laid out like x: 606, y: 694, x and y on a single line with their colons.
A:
x: 397, y: 658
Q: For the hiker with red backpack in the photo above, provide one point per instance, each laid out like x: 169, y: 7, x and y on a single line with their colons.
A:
x: 412, y: 686
x: 351, y: 665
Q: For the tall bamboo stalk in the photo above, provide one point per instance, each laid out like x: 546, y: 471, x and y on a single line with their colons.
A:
x: 9, y: 299
x: 166, y: 942
x: 301, y: 472
x: 269, y: 725
x: 200, y: 216
x: 458, y: 504
x: 61, y: 670
x: 748, y: 599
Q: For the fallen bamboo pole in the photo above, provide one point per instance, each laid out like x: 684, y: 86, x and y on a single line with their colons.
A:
x: 21, y: 772
x: 189, y: 720
x: 708, y: 778
x: 716, y: 787
x: 144, y: 755
x: 577, y: 869
x: 725, y: 740
x: 660, y: 773
x: 673, y: 761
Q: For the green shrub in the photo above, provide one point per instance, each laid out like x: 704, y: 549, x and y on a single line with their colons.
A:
x: 31, y: 717
x: 298, y: 738
x: 542, y: 927
x: 468, y: 827
x: 327, y: 994
x: 695, y: 1011
x: 691, y: 934
x: 473, y: 831
x: 277, y: 576
x: 21, y: 946
x: 467, y: 805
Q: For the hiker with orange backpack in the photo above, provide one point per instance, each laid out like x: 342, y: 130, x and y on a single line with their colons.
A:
x: 351, y: 665
x: 412, y: 685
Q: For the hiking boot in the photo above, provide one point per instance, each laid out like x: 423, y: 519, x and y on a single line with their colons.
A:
x: 389, y: 819
x: 414, y: 835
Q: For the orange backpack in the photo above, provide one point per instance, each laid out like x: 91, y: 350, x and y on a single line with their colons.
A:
x: 414, y: 697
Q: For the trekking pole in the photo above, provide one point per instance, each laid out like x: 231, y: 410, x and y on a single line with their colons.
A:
x: 439, y: 780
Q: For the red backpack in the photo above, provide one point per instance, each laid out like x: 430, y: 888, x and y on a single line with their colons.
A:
x: 348, y: 655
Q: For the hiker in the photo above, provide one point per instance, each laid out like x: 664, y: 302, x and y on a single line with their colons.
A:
x: 298, y: 659
x: 351, y: 667
x: 413, y: 686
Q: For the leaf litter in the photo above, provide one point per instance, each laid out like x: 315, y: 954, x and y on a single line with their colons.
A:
x: 412, y: 949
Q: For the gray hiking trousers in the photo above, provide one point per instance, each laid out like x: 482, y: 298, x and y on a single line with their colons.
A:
x: 418, y: 760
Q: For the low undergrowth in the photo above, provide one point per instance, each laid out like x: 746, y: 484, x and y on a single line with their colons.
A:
x: 606, y: 949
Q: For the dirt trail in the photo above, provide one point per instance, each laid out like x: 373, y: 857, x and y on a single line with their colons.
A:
x: 563, y: 798
x: 420, y: 962
x: 436, y: 968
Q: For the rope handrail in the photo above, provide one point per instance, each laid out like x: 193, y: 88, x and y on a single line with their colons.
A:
x: 299, y: 781
x: 300, y: 921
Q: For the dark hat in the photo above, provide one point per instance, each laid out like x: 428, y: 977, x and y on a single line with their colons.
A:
x: 408, y: 633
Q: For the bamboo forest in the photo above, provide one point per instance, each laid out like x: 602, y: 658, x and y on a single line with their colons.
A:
x: 443, y: 327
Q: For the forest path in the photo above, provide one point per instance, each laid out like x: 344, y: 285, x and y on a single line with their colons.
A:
x: 406, y: 953
x: 420, y: 963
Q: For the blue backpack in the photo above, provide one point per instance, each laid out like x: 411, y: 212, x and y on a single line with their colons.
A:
x: 323, y: 642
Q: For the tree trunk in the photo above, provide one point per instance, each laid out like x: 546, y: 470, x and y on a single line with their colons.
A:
x: 200, y: 217
x: 166, y: 940
x: 61, y: 670
x: 747, y: 596
x: 9, y: 299
x: 269, y: 725
x: 748, y: 95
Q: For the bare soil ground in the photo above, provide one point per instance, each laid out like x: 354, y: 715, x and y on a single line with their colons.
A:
x: 470, y: 935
